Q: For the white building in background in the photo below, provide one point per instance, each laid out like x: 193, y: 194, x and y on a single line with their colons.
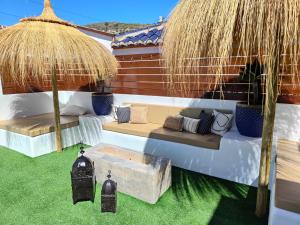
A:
x: 141, y: 41
x: 100, y: 36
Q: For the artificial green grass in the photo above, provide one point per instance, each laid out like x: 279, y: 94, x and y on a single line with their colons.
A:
x: 38, y: 192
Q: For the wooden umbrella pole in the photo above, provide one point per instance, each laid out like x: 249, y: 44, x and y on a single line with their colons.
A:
x: 58, y: 139
x: 265, y: 161
x: 267, y: 137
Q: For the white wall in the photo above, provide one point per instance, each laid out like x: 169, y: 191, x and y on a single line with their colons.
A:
x: 103, y: 39
x: 287, y: 125
x: 136, y: 51
x: 21, y: 105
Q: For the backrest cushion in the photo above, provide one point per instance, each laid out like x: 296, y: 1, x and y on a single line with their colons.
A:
x: 139, y: 114
x: 174, y: 123
x: 158, y: 113
x: 222, y: 123
x: 195, y: 112
x: 191, y: 113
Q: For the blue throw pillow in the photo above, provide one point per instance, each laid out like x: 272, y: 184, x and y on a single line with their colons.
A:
x: 123, y: 114
x: 206, y: 121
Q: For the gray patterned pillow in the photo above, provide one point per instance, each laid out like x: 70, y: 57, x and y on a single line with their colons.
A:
x: 123, y: 114
x: 222, y: 123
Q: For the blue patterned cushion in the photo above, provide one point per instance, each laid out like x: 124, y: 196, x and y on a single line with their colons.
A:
x: 123, y: 114
x: 206, y: 121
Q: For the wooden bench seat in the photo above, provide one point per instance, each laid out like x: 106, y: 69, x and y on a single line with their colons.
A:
x: 37, y: 125
x: 287, y: 195
x: 156, y: 131
x: 156, y: 116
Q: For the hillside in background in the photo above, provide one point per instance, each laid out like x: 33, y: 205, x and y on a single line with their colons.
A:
x: 116, y: 27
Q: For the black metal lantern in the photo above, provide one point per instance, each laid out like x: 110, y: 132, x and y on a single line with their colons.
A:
x: 83, y: 179
x: 109, y: 195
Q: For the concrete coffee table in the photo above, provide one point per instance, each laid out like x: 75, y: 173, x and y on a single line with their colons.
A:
x: 142, y: 176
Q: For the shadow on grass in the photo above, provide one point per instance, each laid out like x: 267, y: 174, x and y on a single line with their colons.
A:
x: 235, y: 202
x: 185, y: 183
x: 239, y: 211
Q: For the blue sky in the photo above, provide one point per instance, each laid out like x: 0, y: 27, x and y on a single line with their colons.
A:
x: 88, y: 11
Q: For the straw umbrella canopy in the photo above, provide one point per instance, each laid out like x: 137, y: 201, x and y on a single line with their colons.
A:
x: 43, y: 45
x: 268, y: 29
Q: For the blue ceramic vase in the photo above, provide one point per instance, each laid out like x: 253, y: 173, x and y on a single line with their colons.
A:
x: 102, y: 103
x: 249, y: 119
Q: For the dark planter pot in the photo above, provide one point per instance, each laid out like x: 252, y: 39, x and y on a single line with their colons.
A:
x: 102, y: 103
x: 249, y: 119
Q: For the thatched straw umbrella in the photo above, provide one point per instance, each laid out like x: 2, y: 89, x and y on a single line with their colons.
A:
x: 267, y: 28
x: 47, y: 44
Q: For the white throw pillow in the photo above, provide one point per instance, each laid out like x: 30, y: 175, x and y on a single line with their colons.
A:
x: 190, y: 124
x: 222, y: 123
x: 73, y: 110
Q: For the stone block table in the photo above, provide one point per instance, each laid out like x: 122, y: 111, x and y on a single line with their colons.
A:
x: 142, y: 176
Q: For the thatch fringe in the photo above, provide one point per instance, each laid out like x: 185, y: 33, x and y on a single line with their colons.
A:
x: 200, y: 28
x: 48, y: 15
x: 34, y: 47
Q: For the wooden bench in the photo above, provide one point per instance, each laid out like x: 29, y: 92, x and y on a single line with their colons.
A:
x: 37, y: 125
x: 34, y: 136
x: 287, y: 194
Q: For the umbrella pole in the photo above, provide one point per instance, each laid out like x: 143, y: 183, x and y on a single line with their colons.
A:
x: 265, y: 161
x: 267, y: 140
x: 58, y: 140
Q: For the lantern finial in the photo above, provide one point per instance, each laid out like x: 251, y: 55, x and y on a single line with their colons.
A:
x: 81, y: 148
x: 48, y: 11
x: 109, y: 174
x: 48, y: 15
x: 47, y: 4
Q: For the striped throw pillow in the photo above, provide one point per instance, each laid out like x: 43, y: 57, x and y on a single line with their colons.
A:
x: 190, y: 125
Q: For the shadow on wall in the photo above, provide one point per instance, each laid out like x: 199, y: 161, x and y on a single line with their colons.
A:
x: 31, y: 104
x: 83, y: 99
